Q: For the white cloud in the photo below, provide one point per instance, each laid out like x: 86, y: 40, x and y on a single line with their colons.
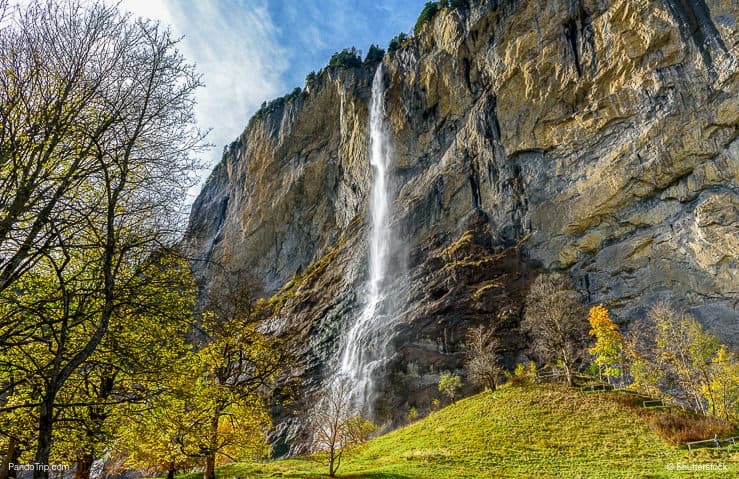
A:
x: 235, y: 48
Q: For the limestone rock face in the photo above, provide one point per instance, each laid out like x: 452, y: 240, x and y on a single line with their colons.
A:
x: 593, y: 137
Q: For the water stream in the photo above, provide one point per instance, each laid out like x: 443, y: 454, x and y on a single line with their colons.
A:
x: 365, y: 348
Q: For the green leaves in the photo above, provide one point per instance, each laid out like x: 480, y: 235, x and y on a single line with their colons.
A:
x: 449, y: 384
x: 679, y: 360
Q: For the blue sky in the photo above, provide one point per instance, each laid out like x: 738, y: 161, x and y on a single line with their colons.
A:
x: 250, y: 51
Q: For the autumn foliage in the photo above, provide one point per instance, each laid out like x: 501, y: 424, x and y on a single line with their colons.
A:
x: 608, y: 349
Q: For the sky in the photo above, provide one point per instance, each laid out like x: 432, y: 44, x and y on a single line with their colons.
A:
x: 250, y: 51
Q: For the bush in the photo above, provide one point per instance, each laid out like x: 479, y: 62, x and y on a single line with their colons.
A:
x: 457, y: 4
x: 398, y: 42
x: 483, y: 367
x: 428, y: 12
x: 448, y: 385
x: 679, y: 427
x: 293, y: 94
x: 346, y: 58
x: 374, y: 54
x: 523, y: 374
x: 412, y: 414
x: 311, y: 78
x: 277, y: 103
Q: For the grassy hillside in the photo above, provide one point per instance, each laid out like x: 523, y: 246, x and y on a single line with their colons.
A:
x: 532, y: 431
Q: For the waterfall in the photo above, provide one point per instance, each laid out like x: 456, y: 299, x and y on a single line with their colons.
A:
x: 366, y: 342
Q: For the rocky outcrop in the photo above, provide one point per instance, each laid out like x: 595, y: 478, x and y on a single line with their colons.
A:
x: 588, y: 136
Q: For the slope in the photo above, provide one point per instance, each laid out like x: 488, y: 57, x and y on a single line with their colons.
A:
x: 529, y: 431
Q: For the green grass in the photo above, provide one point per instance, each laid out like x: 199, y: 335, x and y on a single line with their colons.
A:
x: 528, y: 431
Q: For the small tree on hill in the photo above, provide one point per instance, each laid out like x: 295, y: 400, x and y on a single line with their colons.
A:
x: 483, y: 367
x: 723, y: 389
x: 335, y: 424
x: 555, y: 322
x: 608, y: 349
x: 448, y: 385
x: 677, y: 358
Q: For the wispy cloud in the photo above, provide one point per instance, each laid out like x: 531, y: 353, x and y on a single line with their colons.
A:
x: 235, y: 46
x: 250, y: 51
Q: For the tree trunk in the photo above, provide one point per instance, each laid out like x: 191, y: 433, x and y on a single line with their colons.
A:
x: 84, y: 466
x: 210, y: 458
x: 210, y: 466
x: 331, y: 470
x: 171, y: 471
x: 11, y: 455
x: 568, y: 368
x: 45, y: 426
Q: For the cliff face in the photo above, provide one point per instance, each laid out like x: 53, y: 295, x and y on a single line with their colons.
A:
x: 594, y: 137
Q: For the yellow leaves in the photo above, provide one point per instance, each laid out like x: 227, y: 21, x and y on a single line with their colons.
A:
x: 609, y: 341
x: 722, y: 391
x: 242, y: 430
x: 601, y: 323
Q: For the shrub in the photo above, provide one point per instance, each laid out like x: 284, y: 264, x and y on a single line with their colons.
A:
x: 412, y: 414
x: 399, y: 41
x: 311, y: 78
x: 293, y: 94
x: 374, y: 54
x: 448, y: 385
x: 523, y: 374
x: 359, y: 429
x: 679, y: 427
x: 277, y: 103
x: 346, y: 58
x: 427, y: 13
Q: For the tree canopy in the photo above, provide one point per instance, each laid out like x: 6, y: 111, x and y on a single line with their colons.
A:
x: 98, y: 146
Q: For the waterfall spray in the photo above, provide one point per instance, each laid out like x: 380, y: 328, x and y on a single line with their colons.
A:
x: 366, y: 341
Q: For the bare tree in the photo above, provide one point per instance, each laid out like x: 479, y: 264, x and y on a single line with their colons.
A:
x: 335, y: 424
x: 555, y: 319
x: 483, y: 366
x: 97, y: 136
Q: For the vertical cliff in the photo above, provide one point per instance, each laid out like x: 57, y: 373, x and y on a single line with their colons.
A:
x: 588, y: 136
